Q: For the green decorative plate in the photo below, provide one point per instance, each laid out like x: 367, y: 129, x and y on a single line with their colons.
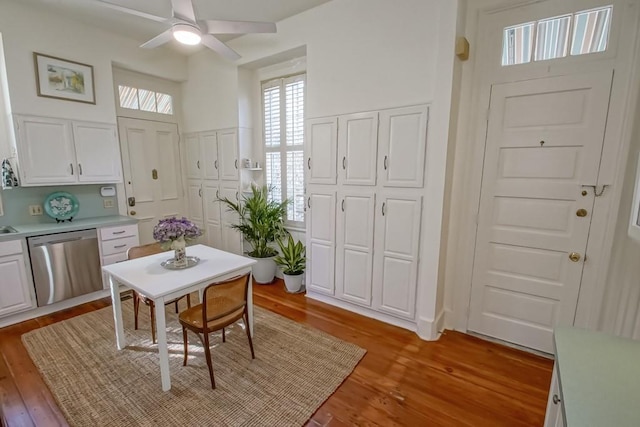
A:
x: 61, y: 206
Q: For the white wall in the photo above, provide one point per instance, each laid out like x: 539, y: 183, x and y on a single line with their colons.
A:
x: 26, y: 29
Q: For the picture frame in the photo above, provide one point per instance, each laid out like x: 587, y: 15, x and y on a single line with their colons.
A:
x: 634, y: 221
x: 64, y: 79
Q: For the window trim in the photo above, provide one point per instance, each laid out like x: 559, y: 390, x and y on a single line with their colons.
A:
x: 283, y: 148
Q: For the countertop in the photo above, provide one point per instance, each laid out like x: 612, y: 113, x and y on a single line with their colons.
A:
x: 77, y: 224
x: 599, y: 378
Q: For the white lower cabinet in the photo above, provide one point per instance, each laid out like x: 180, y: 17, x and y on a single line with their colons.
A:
x: 16, y: 291
x: 554, y: 416
x: 321, y: 240
x: 212, y: 218
x: 231, y: 239
x: 354, y: 248
x: 397, y: 241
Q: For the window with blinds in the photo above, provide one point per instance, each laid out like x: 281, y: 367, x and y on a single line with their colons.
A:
x: 579, y: 33
x: 283, y: 126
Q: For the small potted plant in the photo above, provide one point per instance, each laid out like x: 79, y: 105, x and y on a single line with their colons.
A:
x: 292, y: 261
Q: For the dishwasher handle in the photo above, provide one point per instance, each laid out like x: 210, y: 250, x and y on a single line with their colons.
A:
x: 54, y: 242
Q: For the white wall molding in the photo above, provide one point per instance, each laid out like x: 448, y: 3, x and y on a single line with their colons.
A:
x: 430, y: 329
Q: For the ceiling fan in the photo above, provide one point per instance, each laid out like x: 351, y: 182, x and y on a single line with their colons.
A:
x: 186, y: 29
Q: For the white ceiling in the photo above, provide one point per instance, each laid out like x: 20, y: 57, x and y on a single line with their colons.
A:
x: 92, y: 13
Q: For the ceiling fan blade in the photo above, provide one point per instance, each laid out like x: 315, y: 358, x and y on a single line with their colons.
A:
x: 239, y: 27
x: 158, y: 40
x: 183, y: 9
x: 132, y: 11
x: 217, y: 46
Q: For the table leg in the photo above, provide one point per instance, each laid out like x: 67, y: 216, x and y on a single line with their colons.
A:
x: 250, y: 304
x: 121, y: 340
x: 163, y: 349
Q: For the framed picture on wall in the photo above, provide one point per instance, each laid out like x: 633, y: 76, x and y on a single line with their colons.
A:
x: 63, y: 79
x: 634, y: 223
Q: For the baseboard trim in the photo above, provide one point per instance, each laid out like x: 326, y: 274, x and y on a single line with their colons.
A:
x: 405, y: 324
x: 429, y: 329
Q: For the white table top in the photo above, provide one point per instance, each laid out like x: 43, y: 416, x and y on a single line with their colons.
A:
x: 148, y: 277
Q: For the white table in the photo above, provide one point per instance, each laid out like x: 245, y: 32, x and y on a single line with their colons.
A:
x: 148, y: 277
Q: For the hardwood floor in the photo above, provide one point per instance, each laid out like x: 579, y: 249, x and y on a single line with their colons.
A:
x: 459, y: 380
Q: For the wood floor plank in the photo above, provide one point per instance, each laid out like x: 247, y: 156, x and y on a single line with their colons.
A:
x: 459, y: 380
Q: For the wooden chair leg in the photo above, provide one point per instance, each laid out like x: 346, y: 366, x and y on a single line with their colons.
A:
x: 186, y: 345
x: 152, y: 312
x: 136, y: 304
x: 245, y: 319
x: 176, y: 303
x: 224, y: 338
x: 207, y: 352
x: 188, y: 301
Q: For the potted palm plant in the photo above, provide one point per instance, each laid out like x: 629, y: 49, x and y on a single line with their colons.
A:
x: 261, y: 222
x: 292, y: 261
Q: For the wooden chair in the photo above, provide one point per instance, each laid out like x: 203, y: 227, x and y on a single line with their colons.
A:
x: 139, y: 252
x: 224, y: 304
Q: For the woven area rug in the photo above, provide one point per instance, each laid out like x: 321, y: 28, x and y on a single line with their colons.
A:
x: 296, y: 369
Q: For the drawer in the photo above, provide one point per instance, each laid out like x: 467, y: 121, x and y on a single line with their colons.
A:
x: 112, y: 259
x: 11, y: 247
x: 116, y: 246
x: 109, y: 233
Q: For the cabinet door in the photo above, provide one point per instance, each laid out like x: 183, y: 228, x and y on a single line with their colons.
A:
x: 354, y: 260
x: 403, y: 143
x: 193, y: 155
x: 14, y: 287
x: 228, y: 154
x: 194, y: 195
x: 358, y: 148
x: 97, y: 152
x: 212, y: 215
x: 45, y: 150
x: 231, y: 239
x: 321, y: 234
x: 321, y: 142
x: 209, y: 163
x: 554, y: 415
x: 396, y: 253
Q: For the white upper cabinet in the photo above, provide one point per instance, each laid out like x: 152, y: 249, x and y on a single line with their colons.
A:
x: 354, y: 254
x: 97, y: 152
x: 209, y: 164
x: 402, y: 145
x: 358, y: 148
x: 193, y: 155
x: 396, y: 260
x: 56, y: 151
x: 321, y: 240
x: 228, y: 154
x: 45, y: 150
x: 321, y: 142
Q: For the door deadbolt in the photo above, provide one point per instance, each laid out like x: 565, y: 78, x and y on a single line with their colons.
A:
x: 574, y: 256
x: 581, y: 212
x: 131, y: 201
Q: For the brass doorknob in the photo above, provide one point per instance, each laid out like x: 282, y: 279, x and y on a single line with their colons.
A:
x: 574, y: 256
x: 581, y: 212
x: 132, y: 213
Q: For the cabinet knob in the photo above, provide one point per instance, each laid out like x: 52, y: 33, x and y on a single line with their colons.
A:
x: 556, y: 399
x: 309, y: 163
x: 385, y: 163
x: 71, y: 166
x: 132, y: 212
x: 236, y: 163
x: 344, y: 163
x: 198, y: 164
x: 80, y: 168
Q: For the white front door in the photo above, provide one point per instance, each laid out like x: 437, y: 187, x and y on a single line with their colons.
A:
x: 151, y: 164
x: 544, y: 143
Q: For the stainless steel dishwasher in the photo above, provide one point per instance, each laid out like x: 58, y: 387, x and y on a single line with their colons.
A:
x: 65, y: 265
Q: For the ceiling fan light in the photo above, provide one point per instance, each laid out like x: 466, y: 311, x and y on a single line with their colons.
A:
x: 186, y: 34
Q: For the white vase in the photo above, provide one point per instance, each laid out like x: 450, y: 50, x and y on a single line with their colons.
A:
x: 179, y: 247
x: 264, y: 270
x: 293, y: 282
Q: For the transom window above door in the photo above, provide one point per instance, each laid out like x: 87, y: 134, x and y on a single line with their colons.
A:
x: 574, y: 34
x: 145, y: 100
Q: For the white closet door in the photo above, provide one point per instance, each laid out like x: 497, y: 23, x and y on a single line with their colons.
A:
x: 212, y: 217
x: 354, y: 260
x: 209, y: 163
x: 403, y: 143
x: 97, y: 152
x: 358, y: 148
x: 321, y: 234
x: 228, y: 154
x: 193, y: 155
x: 231, y: 239
x: 321, y: 142
x: 194, y: 195
x: 396, y: 253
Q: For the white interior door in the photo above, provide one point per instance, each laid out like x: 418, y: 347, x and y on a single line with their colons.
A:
x: 544, y: 142
x: 321, y: 241
x: 151, y: 165
x: 358, y: 145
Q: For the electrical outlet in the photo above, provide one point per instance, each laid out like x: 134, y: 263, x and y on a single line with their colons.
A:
x: 35, y: 209
x: 107, y: 203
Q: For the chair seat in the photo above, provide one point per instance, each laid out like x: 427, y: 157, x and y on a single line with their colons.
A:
x: 193, y: 317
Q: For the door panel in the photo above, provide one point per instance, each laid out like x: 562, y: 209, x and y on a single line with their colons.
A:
x: 209, y: 163
x: 321, y: 142
x: 358, y: 146
x: 544, y: 142
x: 228, y: 154
x: 321, y: 229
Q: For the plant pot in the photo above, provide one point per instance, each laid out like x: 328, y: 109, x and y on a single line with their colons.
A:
x: 293, y: 282
x: 264, y: 271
